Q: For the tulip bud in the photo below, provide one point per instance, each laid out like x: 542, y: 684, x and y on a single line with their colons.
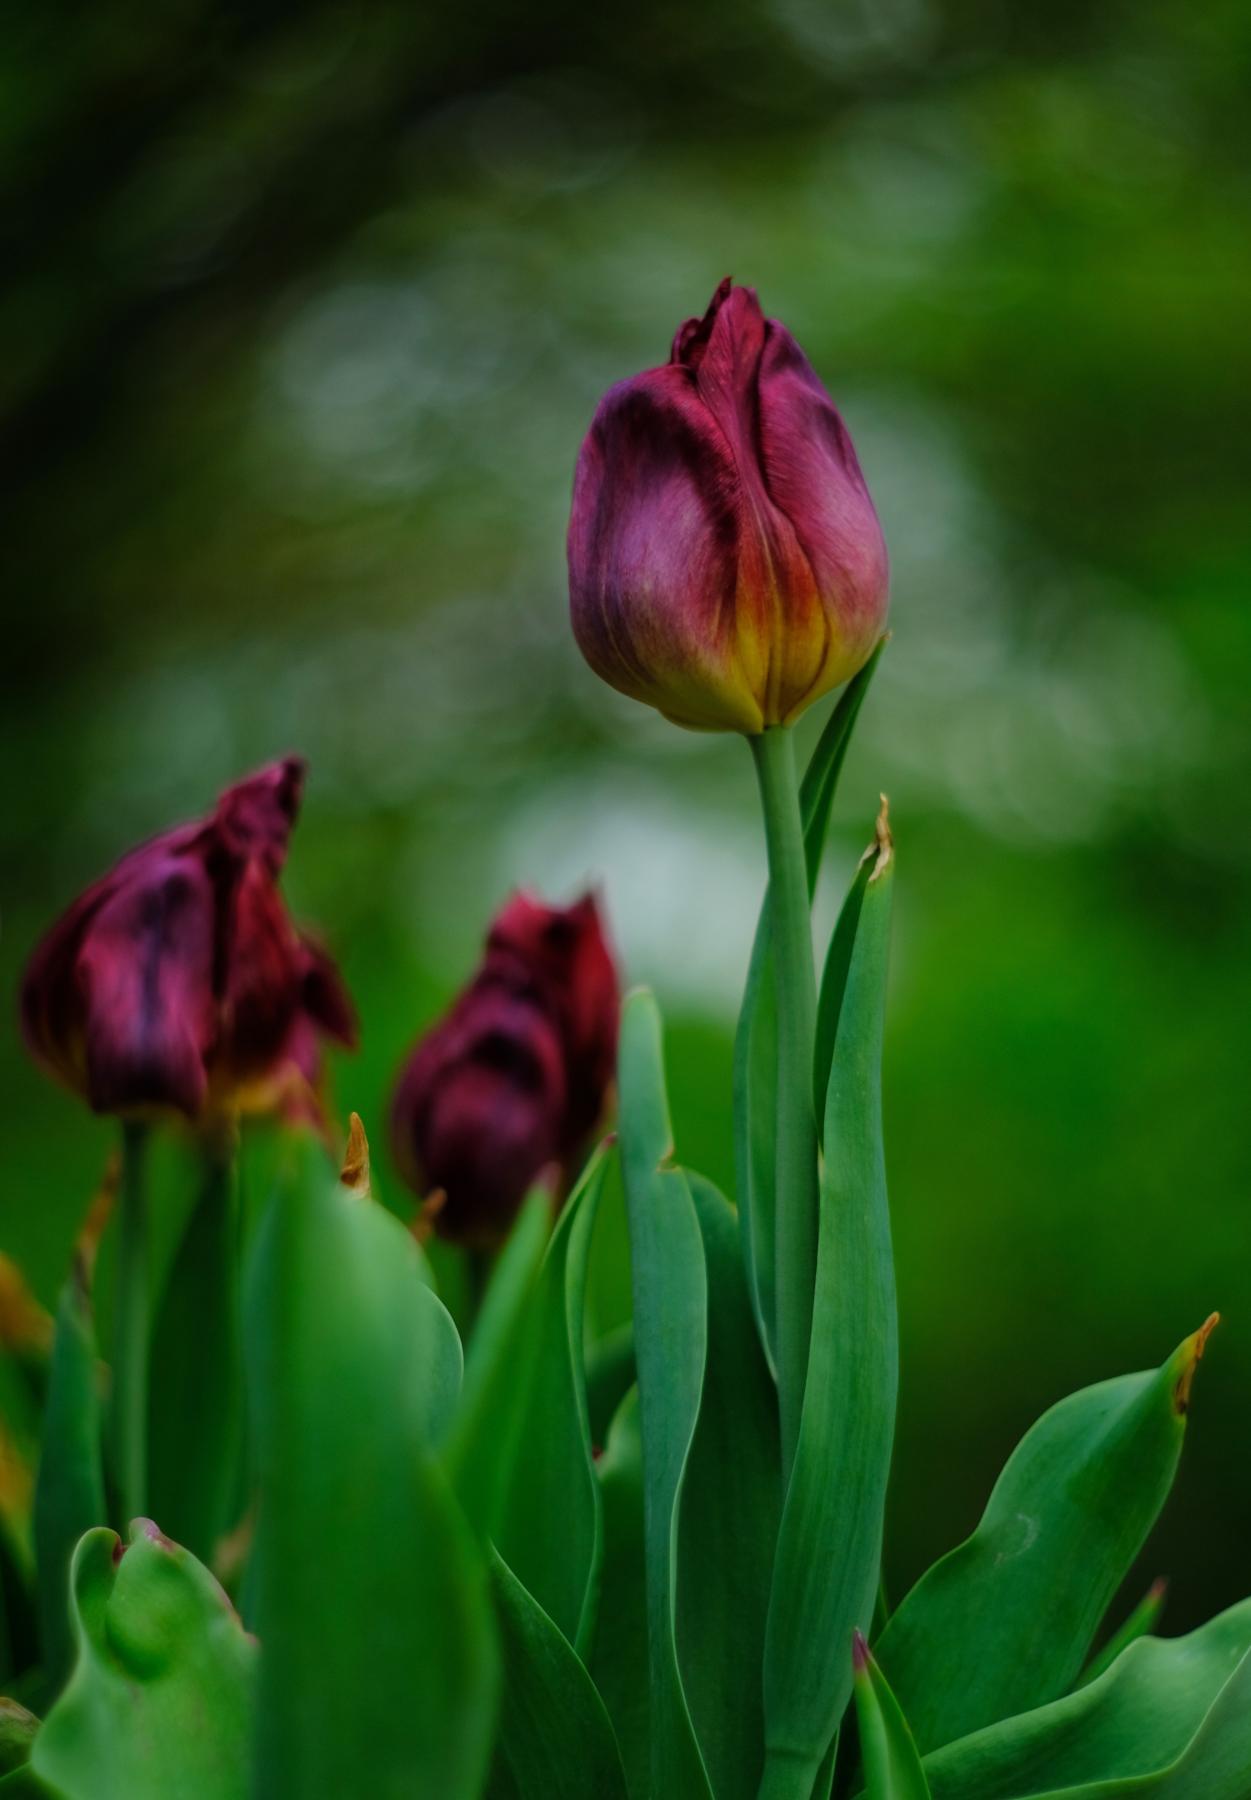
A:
x: 179, y: 980
x: 514, y: 1078
x: 726, y: 564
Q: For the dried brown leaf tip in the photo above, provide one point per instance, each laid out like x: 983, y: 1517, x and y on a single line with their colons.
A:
x: 882, y: 849
x: 98, y: 1214
x: 1190, y: 1356
x: 355, y: 1171
x: 422, y: 1226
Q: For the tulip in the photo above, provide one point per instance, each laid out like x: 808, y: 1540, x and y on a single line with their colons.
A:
x: 726, y: 564
x: 512, y: 1081
x: 179, y: 982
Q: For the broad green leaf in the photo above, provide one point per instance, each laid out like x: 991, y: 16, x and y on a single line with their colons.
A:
x: 69, y: 1490
x: 550, y: 1530
x: 195, y: 1414
x: 825, y: 1576
x: 755, y: 1043
x: 160, y: 1703
x: 483, y: 1438
x: 379, y: 1668
x: 731, y: 1499
x: 1171, y: 1717
x: 892, y: 1767
x: 556, y: 1739
x: 1003, y: 1623
x: 1140, y: 1622
x: 619, y: 1662
x: 670, y: 1342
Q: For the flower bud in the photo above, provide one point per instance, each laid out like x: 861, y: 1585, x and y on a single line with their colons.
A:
x: 179, y: 980
x: 726, y: 564
x: 514, y: 1078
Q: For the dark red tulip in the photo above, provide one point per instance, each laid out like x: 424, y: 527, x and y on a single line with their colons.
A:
x: 514, y: 1079
x: 726, y: 564
x: 179, y: 980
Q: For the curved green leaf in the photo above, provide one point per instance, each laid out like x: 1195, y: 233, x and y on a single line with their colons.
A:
x: 1003, y: 1624
x: 1171, y: 1717
x: 731, y: 1500
x: 670, y: 1342
x: 755, y: 1043
x: 160, y: 1702
x: 619, y: 1661
x: 379, y: 1670
x: 555, y: 1736
x: 69, y: 1489
x: 195, y: 1400
x: 892, y: 1767
x: 825, y: 1576
x: 550, y: 1528
x: 483, y: 1438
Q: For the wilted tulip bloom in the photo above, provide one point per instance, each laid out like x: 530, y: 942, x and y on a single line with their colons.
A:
x: 726, y: 564
x: 179, y: 980
x: 514, y: 1078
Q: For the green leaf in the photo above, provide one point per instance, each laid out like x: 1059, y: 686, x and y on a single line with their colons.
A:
x: 550, y: 1529
x: 755, y: 1043
x: 619, y: 1662
x: 379, y: 1671
x: 610, y: 1374
x: 825, y: 1577
x: 1170, y: 1718
x: 1142, y: 1620
x: 670, y: 1342
x: 892, y: 1767
x: 483, y: 1438
x: 731, y: 1500
x: 1003, y: 1623
x: 160, y: 1703
x: 69, y: 1489
x: 555, y: 1736
x: 195, y: 1412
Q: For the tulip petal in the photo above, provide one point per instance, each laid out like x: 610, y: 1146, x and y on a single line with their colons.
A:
x: 813, y: 477
x: 146, y: 969
x: 653, y: 553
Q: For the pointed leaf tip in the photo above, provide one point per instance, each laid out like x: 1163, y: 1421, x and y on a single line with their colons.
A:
x: 881, y: 851
x: 1190, y: 1356
x: 859, y: 1652
x: 355, y: 1171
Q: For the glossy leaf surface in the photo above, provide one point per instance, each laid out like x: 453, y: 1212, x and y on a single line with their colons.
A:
x: 550, y: 1532
x: 379, y: 1668
x: 160, y: 1703
x: 555, y: 1736
x: 731, y: 1500
x: 670, y: 1344
x: 825, y: 1577
x: 755, y: 1044
x: 1004, y: 1623
x: 1170, y: 1718
x: 891, y: 1764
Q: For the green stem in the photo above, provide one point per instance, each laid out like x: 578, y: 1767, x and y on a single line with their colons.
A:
x: 130, y: 1328
x: 795, y: 1198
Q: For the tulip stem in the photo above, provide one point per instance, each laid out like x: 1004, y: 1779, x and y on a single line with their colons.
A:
x: 130, y: 1328
x: 795, y: 1172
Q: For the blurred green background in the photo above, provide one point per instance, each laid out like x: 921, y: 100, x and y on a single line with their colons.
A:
x: 306, y: 310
